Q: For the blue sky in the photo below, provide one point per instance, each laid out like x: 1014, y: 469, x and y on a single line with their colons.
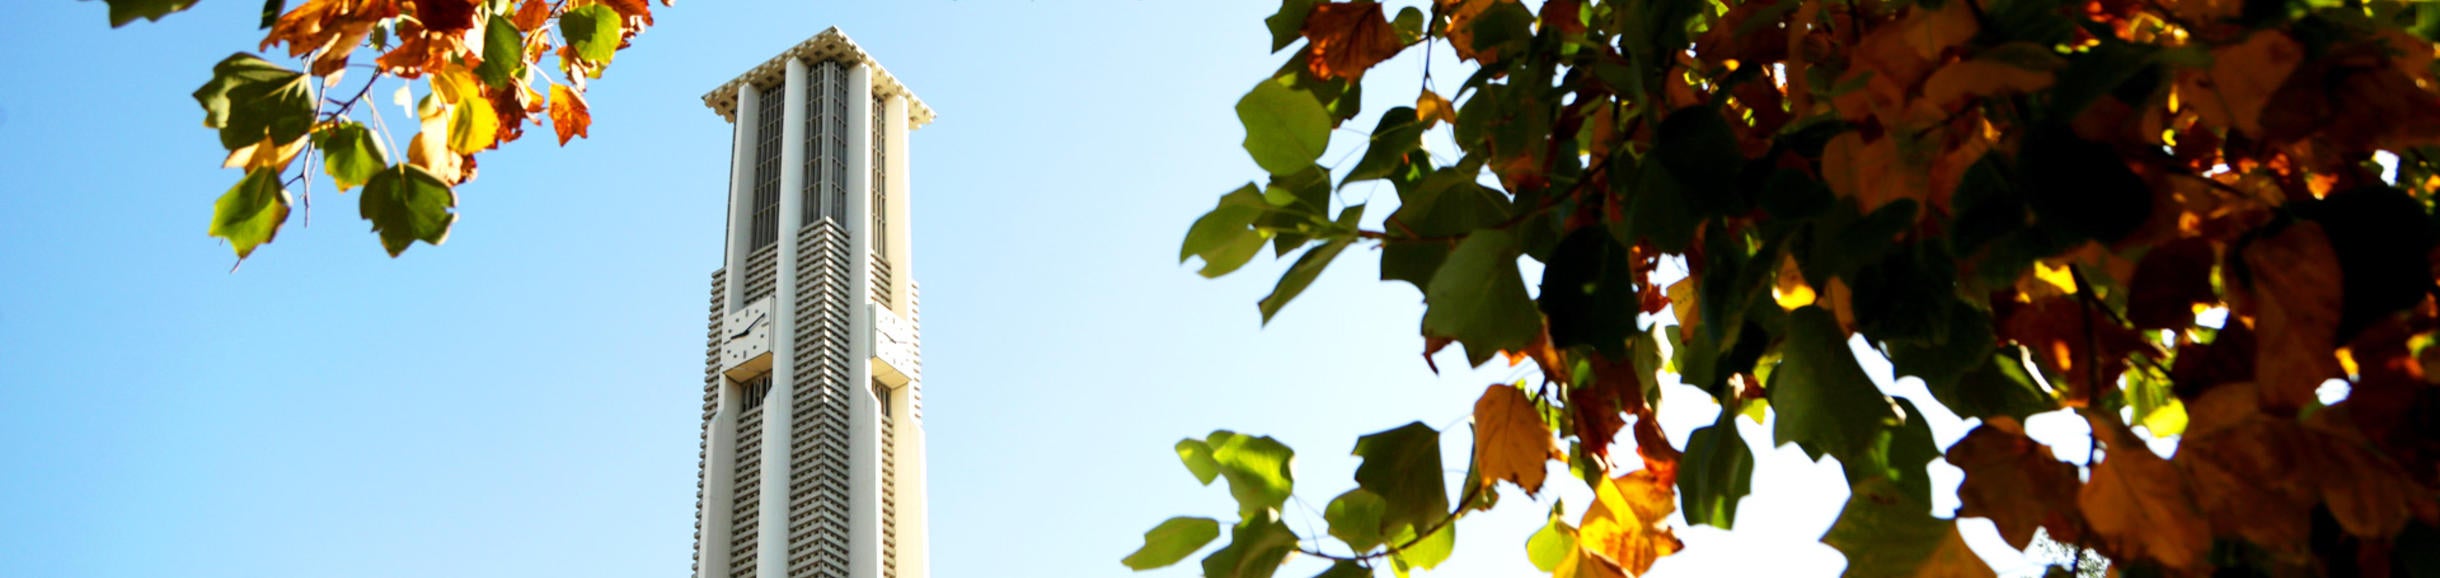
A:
x: 523, y: 401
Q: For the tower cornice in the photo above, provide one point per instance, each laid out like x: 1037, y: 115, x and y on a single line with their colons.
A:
x: 830, y: 44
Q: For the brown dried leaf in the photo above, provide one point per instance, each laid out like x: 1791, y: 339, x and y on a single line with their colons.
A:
x: 2015, y: 482
x: 569, y: 117
x: 2138, y: 504
x: 1346, y: 38
x: 2293, y: 295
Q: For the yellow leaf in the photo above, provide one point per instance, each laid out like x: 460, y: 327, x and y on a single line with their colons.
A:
x: 2139, y: 504
x: 474, y: 125
x: 1510, y: 441
x: 1790, y: 290
x: 1682, y: 304
x: 1626, y: 524
x: 569, y: 116
x: 1432, y: 109
x: 263, y: 154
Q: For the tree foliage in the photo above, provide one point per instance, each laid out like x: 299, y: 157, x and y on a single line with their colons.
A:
x: 482, y: 65
x: 2184, y: 215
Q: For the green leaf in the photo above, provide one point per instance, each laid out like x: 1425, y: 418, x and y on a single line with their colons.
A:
x: 1256, y: 468
x: 1355, y: 518
x: 1285, y: 128
x: 1289, y: 24
x: 503, y: 53
x: 250, y: 214
x: 1412, y: 262
x: 592, y: 30
x: 125, y: 11
x: 1397, y: 134
x: 407, y: 204
x: 1299, y: 276
x: 250, y: 99
x: 1884, y: 533
x: 1346, y: 569
x: 1826, y: 403
x: 1402, y: 466
x: 1657, y: 210
x: 1588, y: 293
x: 1449, y: 203
x: 1553, y: 543
x: 1408, y: 24
x: 1699, y: 150
x: 1478, y: 298
x: 1968, y: 345
x: 1897, y: 454
x: 1998, y: 386
x: 1716, y: 472
x: 271, y: 12
x: 1198, y: 458
x: 1425, y: 553
x: 1224, y: 238
x: 1256, y: 547
x: 1171, y: 541
x: 350, y: 154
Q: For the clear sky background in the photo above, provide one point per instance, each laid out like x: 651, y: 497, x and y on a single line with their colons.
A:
x: 524, y: 400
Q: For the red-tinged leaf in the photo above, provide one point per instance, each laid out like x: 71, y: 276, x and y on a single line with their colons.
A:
x: 1462, y: 15
x: 1599, y: 409
x: 532, y: 14
x: 2291, y: 291
x: 445, y: 16
x: 2076, y: 345
x: 1347, y: 38
x: 569, y: 117
x: 2169, y: 282
x: 334, y: 27
x: 2233, y: 92
x: 635, y: 9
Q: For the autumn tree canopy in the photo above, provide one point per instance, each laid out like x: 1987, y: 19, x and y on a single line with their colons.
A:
x: 2184, y: 216
x: 486, y: 70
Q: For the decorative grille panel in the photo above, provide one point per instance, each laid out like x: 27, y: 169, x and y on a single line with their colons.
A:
x: 818, y: 471
x: 766, y: 167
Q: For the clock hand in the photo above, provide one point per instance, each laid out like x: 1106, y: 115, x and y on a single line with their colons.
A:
x: 749, y: 328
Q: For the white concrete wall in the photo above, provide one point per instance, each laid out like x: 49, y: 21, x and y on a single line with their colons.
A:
x: 719, y: 460
x: 771, y: 549
x: 863, y: 423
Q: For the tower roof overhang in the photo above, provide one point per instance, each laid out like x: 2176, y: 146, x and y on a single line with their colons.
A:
x: 829, y: 45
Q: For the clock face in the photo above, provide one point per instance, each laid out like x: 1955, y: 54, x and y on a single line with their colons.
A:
x: 745, y: 348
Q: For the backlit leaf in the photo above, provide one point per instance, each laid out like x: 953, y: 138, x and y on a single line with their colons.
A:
x: 250, y: 214
x: 1510, y: 441
x: 503, y: 53
x: 1257, y: 469
x: 408, y: 204
x: 1884, y: 533
x: 1826, y: 404
x: 350, y: 154
x: 1255, y: 549
x: 2015, y: 482
x: 1402, y: 466
x: 2295, y: 309
x: 1172, y: 541
x: 569, y: 115
x: 1626, y: 525
x: 1355, y: 518
x: 592, y: 31
x: 125, y: 11
x: 1478, y: 298
x: 1346, y: 38
x: 1285, y: 128
x: 1717, y: 472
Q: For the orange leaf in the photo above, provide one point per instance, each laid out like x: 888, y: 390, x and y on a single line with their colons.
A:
x: 1461, y: 26
x: 532, y: 15
x: 1510, y: 441
x: 2015, y: 482
x: 1965, y: 80
x: 634, y: 9
x: 334, y: 27
x: 2138, y: 505
x: 1431, y: 109
x: 569, y: 117
x: 2074, y: 345
x: 1626, y: 524
x: 1346, y: 38
x: 2241, y: 79
x: 2294, y: 299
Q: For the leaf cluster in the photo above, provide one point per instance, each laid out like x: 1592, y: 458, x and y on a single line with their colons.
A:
x: 481, y: 63
x: 2187, y: 216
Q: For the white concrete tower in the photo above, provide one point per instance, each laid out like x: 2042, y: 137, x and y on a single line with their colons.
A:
x: 813, y: 461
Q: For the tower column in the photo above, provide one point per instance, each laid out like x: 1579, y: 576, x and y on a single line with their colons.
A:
x: 778, y: 409
x: 720, y: 435
x: 863, y: 422
x: 914, y: 560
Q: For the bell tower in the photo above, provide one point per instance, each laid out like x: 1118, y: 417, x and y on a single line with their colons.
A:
x: 812, y: 455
